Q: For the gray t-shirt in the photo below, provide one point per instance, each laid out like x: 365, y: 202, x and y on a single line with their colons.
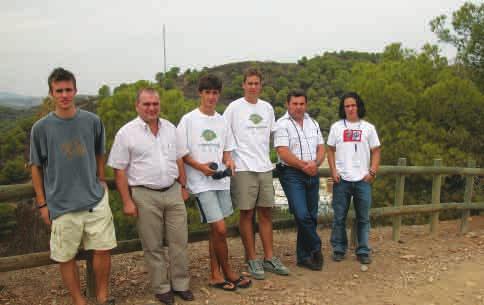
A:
x: 66, y: 150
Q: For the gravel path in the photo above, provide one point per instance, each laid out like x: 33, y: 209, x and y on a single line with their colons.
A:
x: 420, y: 270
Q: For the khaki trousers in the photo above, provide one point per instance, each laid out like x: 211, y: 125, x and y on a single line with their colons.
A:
x: 162, y: 215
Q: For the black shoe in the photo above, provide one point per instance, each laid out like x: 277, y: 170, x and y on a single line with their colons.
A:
x: 318, y: 258
x: 185, y: 295
x: 165, y: 298
x: 364, y: 259
x: 338, y: 256
x: 310, y: 264
x: 109, y: 301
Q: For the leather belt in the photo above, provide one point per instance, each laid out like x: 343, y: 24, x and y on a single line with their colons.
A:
x: 157, y: 190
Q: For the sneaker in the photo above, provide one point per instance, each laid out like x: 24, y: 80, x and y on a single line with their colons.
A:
x: 365, y: 259
x: 255, y: 269
x: 275, y: 265
x: 338, y: 256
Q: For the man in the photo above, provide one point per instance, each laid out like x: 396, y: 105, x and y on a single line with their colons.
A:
x: 150, y: 177
x: 207, y: 140
x: 67, y: 163
x: 299, y: 145
x: 354, y: 158
x: 252, y: 121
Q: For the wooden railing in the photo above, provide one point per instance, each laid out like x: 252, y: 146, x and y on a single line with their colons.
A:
x: 11, y: 193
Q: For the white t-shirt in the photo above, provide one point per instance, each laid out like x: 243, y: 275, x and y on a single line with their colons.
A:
x: 251, y: 125
x: 301, y: 141
x: 149, y: 160
x: 204, y: 138
x: 353, y: 142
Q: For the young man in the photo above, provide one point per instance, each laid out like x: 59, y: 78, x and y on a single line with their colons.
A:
x: 300, y: 147
x: 207, y: 140
x: 67, y: 162
x: 354, y: 158
x: 252, y: 121
x: 150, y: 177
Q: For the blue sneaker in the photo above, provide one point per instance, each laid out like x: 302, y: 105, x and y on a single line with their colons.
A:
x: 255, y: 269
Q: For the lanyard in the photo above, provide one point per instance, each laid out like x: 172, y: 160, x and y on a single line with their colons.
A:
x: 299, y: 137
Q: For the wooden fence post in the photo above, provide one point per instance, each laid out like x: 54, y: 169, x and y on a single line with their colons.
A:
x: 399, y: 192
x: 464, y: 224
x: 436, y: 188
x: 90, y: 277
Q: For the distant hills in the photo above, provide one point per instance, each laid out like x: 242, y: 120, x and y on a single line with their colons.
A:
x: 10, y: 99
x: 17, y: 101
x: 231, y: 75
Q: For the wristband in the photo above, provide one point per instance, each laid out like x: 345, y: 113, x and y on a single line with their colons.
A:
x: 42, y: 206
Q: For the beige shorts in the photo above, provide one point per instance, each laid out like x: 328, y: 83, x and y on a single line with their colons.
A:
x: 252, y: 189
x: 94, y: 229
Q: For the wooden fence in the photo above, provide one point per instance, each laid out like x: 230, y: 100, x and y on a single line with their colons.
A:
x: 11, y: 193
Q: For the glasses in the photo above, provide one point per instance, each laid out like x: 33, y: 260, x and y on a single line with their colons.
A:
x: 66, y: 90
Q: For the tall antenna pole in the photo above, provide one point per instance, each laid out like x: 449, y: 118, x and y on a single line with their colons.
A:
x: 164, y: 48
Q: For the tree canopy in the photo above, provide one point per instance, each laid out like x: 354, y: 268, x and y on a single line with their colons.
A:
x: 466, y: 34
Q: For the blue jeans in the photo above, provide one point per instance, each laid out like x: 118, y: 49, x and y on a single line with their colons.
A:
x: 342, y: 192
x: 302, y: 192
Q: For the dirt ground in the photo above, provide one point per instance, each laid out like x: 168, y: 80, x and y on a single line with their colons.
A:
x: 420, y: 270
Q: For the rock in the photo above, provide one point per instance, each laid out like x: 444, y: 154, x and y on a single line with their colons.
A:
x: 355, y: 276
x: 205, y: 291
x: 408, y: 257
x: 430, y: 279
x: 470, y: 284
x: 268, y: 285
x: 364, y: 268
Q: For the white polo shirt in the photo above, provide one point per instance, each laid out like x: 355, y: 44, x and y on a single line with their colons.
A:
x: 204, y: 138
x: 353, y: 142
x: 302, y: 141
x: 251, y: 125
x: 149, y: 160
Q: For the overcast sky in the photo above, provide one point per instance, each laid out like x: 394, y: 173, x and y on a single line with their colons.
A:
x: 110, y: 42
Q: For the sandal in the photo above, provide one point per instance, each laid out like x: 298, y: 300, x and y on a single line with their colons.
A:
x: 225, y: 285
x: 239, y: 282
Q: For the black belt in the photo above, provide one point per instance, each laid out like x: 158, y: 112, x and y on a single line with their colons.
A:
x: 157, y: 190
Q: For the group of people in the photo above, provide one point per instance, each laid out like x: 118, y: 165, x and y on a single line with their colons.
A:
x: 222, y: 160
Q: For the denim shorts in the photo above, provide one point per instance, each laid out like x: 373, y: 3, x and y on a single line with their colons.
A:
x: 214, y: 205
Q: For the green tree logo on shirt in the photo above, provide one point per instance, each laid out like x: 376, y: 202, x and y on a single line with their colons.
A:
x: 209, y: 135
x: 255, y: 118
